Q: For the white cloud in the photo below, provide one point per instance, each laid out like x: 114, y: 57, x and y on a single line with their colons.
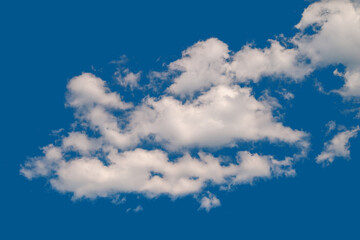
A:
x: 227, y: 114
x: 87, y: 90
x: 286, y: 94
x: 152, y: 173
x: 352, y: 84
x: 209, y: 63
x: 213, y: 113
x: 45, y: 165
x: 114, y: 162
x: 336, y: 39
x: 139, y: 208
x: 276, y: 61
x: 127, y: 78
x: 221, y: 116
x: 338, y: 146
x: 117, y: 200
x: 202, y: 65
x: 337, y: 33
x: 331, y: 125
x: 209, y: 202
x: 81, y: 143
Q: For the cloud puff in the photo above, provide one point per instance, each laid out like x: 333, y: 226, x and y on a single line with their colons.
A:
x: 127, y: 78
x: 209, y: 202
x: 87, y: 90
x: 202, y: 65
x: 338, y: 146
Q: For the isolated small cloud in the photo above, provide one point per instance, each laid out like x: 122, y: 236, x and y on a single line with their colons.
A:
x: 337, y: 147
x: 139, y: 208
x: 118, y: 200
x: 208, y: 202
x: 126, y: 78
x: 286, y: 94
x: 331, y: 125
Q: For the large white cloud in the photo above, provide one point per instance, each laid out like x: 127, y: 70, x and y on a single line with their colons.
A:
x: 329, y: 34
x: 204, y: 109
x: 219, y: 117
x: 336, y: 39
x: 113, y: 162
x: 149, y: 172
x: 275, y: 61
x: 208, y: 63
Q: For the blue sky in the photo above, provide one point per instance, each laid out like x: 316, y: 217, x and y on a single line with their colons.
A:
x: 180, y: 120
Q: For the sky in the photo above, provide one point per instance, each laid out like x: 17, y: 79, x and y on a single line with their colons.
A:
x: 173, y: 120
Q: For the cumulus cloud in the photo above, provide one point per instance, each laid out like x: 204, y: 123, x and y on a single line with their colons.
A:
x: 113, y: 162
x: 210, y: 63
x: 44, y: 165
x: 337, y: 147
x: 209, y: 202
x: 329, y: 34
x: 202, y: 65
x: 87, y: 90
x: 336, y: 39
x: 221, y: 116
x: 150, y: 172
x: 123, y: 147
x: 127, y: 78
x: 80, y: 142
x: 275, y: 61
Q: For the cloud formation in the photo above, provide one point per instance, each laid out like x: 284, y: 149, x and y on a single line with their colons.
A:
x: 114, y: 162
x: 329, y: 34
x: 211, y: 63
x: 122, y: 147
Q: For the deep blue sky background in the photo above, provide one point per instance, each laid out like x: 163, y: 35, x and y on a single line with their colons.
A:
x: 44, y: 44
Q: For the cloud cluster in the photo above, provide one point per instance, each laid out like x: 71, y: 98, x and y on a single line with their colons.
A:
x: 204, y: 109
x: 114, y: 163
x: 211, y: 63
x: 329, y: 34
